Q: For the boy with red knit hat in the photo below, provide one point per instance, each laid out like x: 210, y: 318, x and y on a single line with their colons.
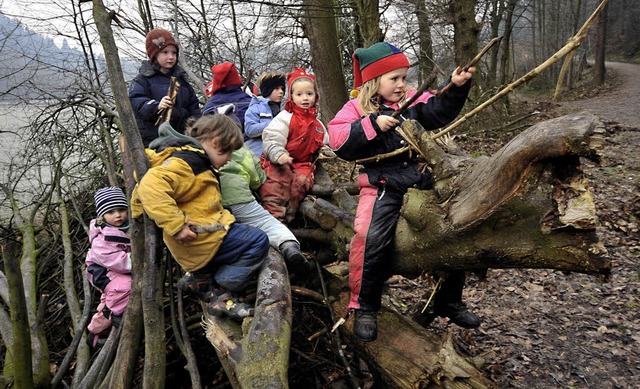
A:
x: 291, y: 142
x: 226, y: 89
x: 364, y: 128
x: 148, y: 90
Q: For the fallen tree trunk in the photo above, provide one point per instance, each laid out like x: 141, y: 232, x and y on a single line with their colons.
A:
x: 527, y: 206
x: 255, y: 354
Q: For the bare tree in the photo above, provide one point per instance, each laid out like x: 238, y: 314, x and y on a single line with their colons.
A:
x: 601, y: 43
x: 320, y: 27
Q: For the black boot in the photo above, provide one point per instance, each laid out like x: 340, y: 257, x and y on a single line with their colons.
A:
x: 296, y: 262
x: 365, y: 326
x: 448, y: 302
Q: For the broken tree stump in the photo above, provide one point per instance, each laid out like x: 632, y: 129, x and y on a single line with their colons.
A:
x: 406, y: 355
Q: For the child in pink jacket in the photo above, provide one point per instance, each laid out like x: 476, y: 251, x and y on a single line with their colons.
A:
x: 109, y: 261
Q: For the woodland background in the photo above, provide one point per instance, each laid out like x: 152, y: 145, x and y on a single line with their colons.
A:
x: 60, y: 126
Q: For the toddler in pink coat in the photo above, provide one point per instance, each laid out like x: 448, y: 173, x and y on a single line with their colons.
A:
x: 109, y: 261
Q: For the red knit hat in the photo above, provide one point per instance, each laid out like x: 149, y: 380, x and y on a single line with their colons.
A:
x: 376, y: 60
x: 157, y: 40
x: 224, y: 74
x: 298, y: 73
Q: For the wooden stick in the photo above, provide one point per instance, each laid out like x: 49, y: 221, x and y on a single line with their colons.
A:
x: 165, y: 114
x: 471, y: 63
x: 247, y: 81
x: 209, y: 228
x: 573, y: 42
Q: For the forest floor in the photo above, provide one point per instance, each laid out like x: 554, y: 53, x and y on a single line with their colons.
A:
x: 549, y: 329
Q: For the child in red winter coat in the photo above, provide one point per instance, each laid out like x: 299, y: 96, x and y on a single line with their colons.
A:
x: 109, y: 260
x: 290, y: 144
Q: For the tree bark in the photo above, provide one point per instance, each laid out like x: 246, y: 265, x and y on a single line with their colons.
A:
x: 425, y: 55
x: 368, y: 22
x: 601, y: 44
x: 256, y: 353
x: 125, y: 362
x: 405, y: 354
x: 19, y: 349
x: 321, y: 30
x: 465, y: 30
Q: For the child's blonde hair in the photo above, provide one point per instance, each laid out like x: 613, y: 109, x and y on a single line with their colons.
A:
x: 221, y: 127
x: 368, y: 96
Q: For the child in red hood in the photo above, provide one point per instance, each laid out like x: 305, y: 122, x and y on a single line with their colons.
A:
x: 290, y: 144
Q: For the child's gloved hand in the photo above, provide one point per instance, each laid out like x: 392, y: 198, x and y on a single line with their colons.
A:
x: 386, y: 122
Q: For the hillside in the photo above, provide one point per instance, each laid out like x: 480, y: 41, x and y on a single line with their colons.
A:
x: 34, y: 67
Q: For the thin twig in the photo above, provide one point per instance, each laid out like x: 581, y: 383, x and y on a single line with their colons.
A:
x: 336, y: 336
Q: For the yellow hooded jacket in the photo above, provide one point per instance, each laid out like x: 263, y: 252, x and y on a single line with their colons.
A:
x: 181, y: 186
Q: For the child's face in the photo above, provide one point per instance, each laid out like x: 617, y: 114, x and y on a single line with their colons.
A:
x: 167, y: 58
x: 393, y: 84
x: 303, y: 94
x: 277, y: 94
x: 116, y: 216
x: 216, y: 156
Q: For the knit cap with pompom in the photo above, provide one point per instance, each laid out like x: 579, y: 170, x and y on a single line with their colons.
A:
x: 376, y: 60
x: 157, y: 40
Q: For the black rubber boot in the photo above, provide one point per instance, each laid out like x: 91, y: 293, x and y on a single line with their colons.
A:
x: 365, y: 326
x: 448, y: 302
x: 296, y: 261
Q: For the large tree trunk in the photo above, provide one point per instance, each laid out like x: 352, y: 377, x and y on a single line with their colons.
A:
x: 320, y: 27
x: 367, y: 22
x: 527, y: 206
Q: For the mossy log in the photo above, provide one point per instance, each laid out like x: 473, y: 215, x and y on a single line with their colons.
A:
x: 527, y: 206
x: 255, y: 354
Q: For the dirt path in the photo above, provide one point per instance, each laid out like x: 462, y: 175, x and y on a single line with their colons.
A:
x: 621, y: 104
